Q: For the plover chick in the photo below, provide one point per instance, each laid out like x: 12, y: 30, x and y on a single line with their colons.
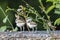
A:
x: 51, y: 26
x: 20, y: 23
x: 32, y: 25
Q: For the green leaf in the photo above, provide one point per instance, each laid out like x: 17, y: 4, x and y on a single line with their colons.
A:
x: 15, y: 29
x: 57, y: 22
x: 58, y: 5
x: 3, y: 28
x: 50, y: 8
x: 49, y: 0
x: 52, y: 1
x: 5, y: 19
x: 57, y: 11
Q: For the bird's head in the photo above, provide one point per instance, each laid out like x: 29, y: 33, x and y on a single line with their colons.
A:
x: 28, y: 19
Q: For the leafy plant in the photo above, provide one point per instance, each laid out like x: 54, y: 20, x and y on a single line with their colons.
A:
x: 57, y: 10
x: 5, y: 20
x: 3, y: 28
x: 46, y: 11
x: 32, y: 11
x: 53, y: 1
x: 56, y: 4
x: 57, y: 21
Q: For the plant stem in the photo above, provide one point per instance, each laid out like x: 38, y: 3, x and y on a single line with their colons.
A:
x: 5, y: 16
x: 26, y: 23
x: 30, y: 6
x: 46, y: 13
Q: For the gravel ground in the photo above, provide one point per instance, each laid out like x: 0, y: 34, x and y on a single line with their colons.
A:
x: 39, y: 35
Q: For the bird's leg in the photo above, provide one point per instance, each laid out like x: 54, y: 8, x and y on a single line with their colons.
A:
x: 35, y: 29
x: 28, y: 28
x: 20, y: 28
x: 53, y: 29
x: 23, y: 28
x: 32, y: 29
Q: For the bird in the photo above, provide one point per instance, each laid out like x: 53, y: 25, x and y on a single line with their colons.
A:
x: 51, y: 26
x: 19, y: 22
x: 31, y: 24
